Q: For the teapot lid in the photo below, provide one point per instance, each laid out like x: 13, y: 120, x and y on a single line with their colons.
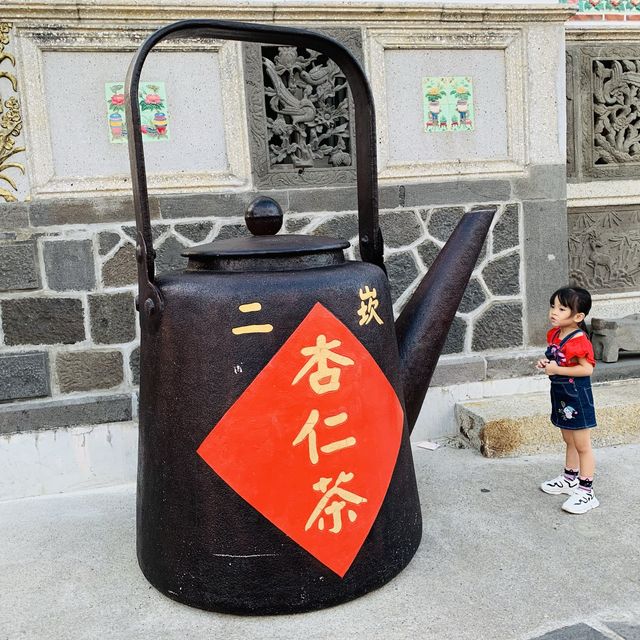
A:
x: 264, y: 219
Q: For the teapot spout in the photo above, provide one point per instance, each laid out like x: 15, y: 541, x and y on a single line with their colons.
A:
x: 424, y: 323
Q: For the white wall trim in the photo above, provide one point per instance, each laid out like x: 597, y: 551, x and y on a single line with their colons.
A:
x: 345, y: 12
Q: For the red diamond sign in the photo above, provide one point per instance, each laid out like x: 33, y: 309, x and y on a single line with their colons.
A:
x: 313, y: 441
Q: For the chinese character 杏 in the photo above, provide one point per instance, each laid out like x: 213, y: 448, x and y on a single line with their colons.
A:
x: 325, y: 378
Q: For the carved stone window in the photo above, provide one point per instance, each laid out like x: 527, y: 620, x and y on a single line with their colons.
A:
x: 616, y: 100
x: 300, y: 115
x: 603, y: 108
x: 307, y: 109
x: 604, y: 248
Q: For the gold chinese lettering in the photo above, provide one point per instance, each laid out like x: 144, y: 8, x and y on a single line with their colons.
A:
x: 308, y: 432
x: 325, y: 378
x: 251, y: 328
x: 368, y: 304
x: 333, y: 502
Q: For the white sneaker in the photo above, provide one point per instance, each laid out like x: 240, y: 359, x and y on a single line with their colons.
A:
x: 559, y: 485
x: 581, y: 502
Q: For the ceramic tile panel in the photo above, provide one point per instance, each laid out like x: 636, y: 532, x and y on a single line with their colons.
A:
x: 154, y: 112
x: 203, y: 136
x: 448, y: 104
x: 609, y: 10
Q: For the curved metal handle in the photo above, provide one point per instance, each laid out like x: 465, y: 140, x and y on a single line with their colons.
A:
x: 371, y: 246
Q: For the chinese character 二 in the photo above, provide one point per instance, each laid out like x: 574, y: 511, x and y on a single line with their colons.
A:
x: 368, y: 304
x: 335, y: 508
x: 308, y: 432
x: 250, y: 307
x: 325, y: 378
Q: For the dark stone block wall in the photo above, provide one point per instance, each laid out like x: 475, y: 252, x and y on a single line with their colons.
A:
x: 67, y: 318
x: 69, y: 349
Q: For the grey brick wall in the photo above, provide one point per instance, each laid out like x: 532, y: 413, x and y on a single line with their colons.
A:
x: 68, y: 327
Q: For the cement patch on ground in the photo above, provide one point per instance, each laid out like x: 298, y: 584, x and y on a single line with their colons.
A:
x: 519, y: 425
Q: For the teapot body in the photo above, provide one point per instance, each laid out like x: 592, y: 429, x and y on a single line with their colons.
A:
x: 201, y: 541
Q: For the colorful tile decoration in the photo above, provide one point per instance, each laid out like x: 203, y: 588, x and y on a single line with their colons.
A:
x: 448, y: 104
x: 624, y: 8
x: 608, y: 6
x: 154, y: 116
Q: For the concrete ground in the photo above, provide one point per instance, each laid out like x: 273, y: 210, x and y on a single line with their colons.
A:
x: 499, y: 560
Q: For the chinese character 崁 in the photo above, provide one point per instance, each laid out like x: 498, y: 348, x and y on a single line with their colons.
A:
x: 368, y: 305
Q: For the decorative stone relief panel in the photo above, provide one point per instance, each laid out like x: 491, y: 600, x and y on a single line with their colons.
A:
x: 572, y: 96
x: 12, y: 149
x: 397, y: 61
x: 71, y: 68
x: 604, y: 248
x: 300, y: 115
x: 603, y: 93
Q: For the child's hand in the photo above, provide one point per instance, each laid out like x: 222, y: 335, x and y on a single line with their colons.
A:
x: 552, y: 369
x: 542, y: 363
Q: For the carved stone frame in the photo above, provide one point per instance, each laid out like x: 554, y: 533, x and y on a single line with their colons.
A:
x: 32, y: 42
x: 580, y: 149
x: 510, y: 40
x: 264, y: 175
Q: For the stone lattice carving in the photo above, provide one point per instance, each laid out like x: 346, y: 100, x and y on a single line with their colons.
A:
x: 603, y: 93
x: 10, y: 121
x: 307, y: 110
x: 612, y: 335
x: 604, y: 248
x: 616, y: 95
x: 300, y: 116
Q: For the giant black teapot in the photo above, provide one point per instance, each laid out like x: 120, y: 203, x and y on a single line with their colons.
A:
x: 277, y: 394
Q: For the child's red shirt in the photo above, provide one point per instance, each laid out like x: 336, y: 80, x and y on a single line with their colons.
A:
x: 577, y: 347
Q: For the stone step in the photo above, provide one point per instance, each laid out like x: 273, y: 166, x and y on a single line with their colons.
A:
x: 519, y: 425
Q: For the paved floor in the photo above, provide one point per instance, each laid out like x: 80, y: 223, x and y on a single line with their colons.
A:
x: 498, y: 560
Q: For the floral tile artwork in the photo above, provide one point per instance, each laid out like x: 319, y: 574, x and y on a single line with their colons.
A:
x: 154, y: 116
x: 609, y: 6
x: 448, y: 104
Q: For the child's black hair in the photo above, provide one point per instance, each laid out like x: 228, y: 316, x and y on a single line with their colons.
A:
x: 576, y: 299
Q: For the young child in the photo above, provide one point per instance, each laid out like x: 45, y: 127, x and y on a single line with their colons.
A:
x: 569, y: 364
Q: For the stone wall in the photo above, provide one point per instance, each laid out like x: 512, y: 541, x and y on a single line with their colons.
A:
x: 603, y: 166
x: 69, y: 327
x: 69, y: 334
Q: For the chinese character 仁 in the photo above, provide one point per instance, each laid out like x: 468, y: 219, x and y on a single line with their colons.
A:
x: 308, y: 431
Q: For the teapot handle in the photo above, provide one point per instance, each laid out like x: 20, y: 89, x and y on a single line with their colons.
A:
x: 370, y: 237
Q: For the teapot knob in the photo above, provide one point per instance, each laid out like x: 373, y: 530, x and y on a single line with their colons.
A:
x: 263, y: 217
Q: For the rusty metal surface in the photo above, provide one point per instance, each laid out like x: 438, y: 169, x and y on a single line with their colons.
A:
x: 198, y: 541
x: 371, y: 245
x: 283, y: 245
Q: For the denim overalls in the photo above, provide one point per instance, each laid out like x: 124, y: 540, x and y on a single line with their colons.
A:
x: 571, y: 398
